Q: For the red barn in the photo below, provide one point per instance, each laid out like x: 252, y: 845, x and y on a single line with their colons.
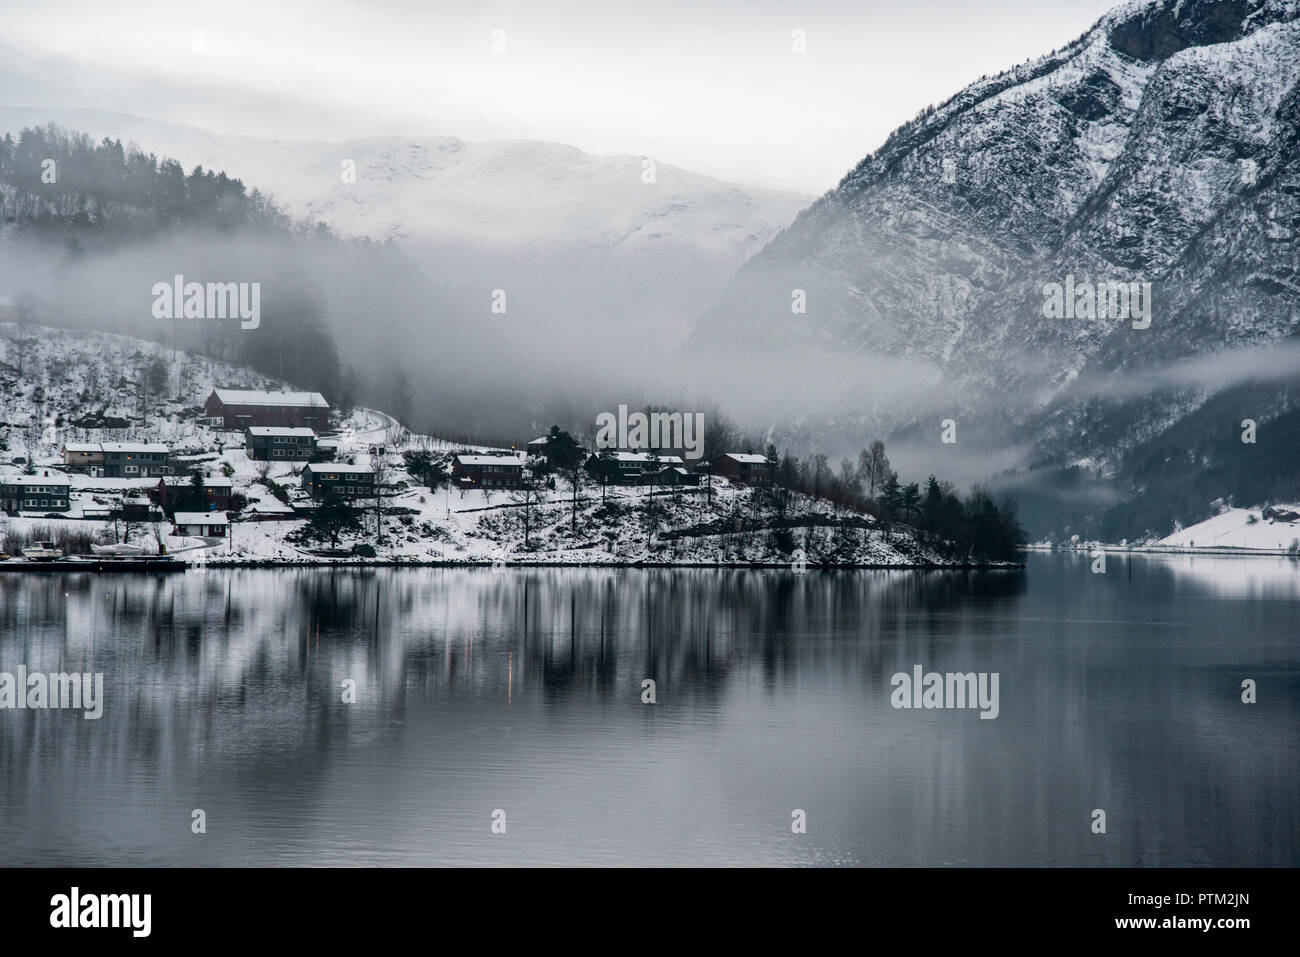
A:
x: 242, y: 408
x: 743, y: 467
x: 487, y: 470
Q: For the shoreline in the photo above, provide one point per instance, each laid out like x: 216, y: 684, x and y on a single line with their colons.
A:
x: 181, y: 566
x: 1168, y: 550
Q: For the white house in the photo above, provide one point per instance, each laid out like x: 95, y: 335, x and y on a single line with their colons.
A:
x: 201, y: 524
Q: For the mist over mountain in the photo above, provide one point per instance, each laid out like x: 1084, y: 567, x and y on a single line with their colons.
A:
x: 1162, y: 147
x: 580, y: 240
x: 511, y: 283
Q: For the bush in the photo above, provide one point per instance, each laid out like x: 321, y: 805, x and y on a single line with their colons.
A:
x: 74, y: 539
x: 783, y: 541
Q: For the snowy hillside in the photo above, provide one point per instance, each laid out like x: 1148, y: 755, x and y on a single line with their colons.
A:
x: 57, y: 386
x: 1244, y: 528
x: 78, y: 387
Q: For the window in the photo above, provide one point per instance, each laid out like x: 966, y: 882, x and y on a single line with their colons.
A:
x: 131, y: 469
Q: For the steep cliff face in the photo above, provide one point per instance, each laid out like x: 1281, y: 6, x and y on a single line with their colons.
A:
x: 1162, y: 148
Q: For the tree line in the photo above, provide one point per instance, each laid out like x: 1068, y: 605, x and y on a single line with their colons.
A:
x: 974, y: 525
x: 55, y: 177
x: 62, y: 189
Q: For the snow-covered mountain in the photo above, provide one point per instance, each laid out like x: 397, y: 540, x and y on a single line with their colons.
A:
x: 501, y: 212
x: 512, y: 194
x: 1161, y: 147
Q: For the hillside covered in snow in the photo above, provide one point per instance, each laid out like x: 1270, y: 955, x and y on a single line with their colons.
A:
x: 1273, y: 528
x: 59, y: 387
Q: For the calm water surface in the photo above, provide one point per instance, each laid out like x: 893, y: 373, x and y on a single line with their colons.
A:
x: 522, y: 692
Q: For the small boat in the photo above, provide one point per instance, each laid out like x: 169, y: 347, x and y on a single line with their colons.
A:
x: 117, y: 551
x: 126, y: 561
x: 43, y: 551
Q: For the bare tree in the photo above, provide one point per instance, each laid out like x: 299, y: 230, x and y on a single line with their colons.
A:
x: 25, y: 308
x: 382, y: 470
x: 873, y: 468
x: 821, y: 474
x: 130, y: 503
x: 526, y: 496
x: 720, y: 435
x: 575, y: 473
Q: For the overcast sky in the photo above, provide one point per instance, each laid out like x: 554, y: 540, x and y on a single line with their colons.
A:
x: 711, y: 86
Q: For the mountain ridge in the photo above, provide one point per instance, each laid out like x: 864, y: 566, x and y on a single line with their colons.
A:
x: 1160, y: 146
x: 301, y: 174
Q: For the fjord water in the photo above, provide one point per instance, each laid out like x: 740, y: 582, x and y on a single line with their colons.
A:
x: 522, y: 692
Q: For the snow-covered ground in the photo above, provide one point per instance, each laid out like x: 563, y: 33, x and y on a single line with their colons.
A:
x: 1271, y: 529
x: 1239, y: 528
x: 451, y: 525
x: 68, y: 375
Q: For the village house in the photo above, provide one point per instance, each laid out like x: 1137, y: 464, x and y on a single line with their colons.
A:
x: 178, y: 491
x: 537, y: 447
x: 270, y: 443
x: 743, y: 467
x: 118, y: 459
x: 134, y: 460
x: 266, y: 509
x: 241, y: 408
x: 83, y: 456
x: 130, y: 510
x: 628, y: 467
x: 350, y: 481
x: 673, y: 475
x: 47, y: 492
x: 201, y: 524
x: 487, y: 470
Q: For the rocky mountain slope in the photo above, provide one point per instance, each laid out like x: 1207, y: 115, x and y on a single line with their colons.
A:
x: 1161, y: 147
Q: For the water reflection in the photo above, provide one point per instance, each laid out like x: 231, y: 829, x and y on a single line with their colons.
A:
x: 523, y: 691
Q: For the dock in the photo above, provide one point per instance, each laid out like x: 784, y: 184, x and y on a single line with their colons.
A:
x: 93, y: 565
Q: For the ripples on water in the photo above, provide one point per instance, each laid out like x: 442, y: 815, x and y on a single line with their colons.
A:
x: 522, y: 692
